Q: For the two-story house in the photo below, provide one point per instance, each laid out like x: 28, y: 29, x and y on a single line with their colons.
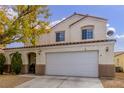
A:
x: 77, y: 46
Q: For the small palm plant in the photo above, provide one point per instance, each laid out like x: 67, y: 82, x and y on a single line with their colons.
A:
x: 2, y: 61
x: 16, y: 62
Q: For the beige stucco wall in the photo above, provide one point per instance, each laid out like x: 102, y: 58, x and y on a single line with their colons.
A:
x: 73, y: 33
x: 104, y: 57
x: 99, y: 31
x: 24, y: 53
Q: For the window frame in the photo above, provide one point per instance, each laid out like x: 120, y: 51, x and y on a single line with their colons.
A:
x: 59, y: 40
x: 86, y: 37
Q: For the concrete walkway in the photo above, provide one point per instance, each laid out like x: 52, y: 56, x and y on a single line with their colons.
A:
x: 61, y: 82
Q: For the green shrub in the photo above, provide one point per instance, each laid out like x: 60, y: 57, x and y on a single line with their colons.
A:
x: 2, y: 61
x: 16, y: 62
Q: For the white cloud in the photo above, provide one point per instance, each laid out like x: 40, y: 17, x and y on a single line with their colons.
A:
x: 108, y: 25
x: 56, y: 22
x: 119, y: 36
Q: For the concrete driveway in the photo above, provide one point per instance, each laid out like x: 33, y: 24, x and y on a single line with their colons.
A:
x: 61, y: 82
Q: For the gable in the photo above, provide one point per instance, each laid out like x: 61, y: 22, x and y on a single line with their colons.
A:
x: 75, y: 18
x: 69, y: 20
x: 86, y: 21
x: 73, y: 33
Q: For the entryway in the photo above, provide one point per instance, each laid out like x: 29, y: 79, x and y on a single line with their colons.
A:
x: 31, y: 62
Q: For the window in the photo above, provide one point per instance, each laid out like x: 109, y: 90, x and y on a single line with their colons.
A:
x: 60, y: 36
x: 87, y: 33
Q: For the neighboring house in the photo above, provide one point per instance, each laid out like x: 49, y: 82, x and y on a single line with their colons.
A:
x: 119, y: 61
x: 77, y: 46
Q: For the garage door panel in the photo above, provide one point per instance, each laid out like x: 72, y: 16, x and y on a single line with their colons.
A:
x: 72, y: 64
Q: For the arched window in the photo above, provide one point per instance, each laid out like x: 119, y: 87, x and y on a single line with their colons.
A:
x: 87, y: 32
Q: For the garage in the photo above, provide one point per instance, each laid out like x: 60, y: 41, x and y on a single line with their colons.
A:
x: 72, y: 63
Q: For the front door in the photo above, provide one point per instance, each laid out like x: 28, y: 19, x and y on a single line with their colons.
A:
x: 32, y: 62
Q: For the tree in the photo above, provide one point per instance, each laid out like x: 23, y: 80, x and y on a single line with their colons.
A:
x: 2, y: 61
x: 16, y: 62
x: 23, y: 23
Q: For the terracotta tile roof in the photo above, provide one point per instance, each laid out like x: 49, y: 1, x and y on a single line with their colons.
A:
x: 62, y: 44
x: 119, y: 53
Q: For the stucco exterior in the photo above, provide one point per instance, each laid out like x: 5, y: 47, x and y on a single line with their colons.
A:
x: 104, y: 56
x: 72, y: 27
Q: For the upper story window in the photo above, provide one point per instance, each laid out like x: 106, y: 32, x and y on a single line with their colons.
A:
x: 60, y: 36
x: 87, y: 32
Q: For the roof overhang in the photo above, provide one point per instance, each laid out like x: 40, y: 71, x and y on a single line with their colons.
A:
x: 63, y: 44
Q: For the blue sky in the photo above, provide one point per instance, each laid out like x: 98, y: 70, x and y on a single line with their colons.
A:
x: 114, y: 14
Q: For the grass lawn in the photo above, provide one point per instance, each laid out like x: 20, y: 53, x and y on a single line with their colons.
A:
x: 117, y: 82
x: 10, y: 81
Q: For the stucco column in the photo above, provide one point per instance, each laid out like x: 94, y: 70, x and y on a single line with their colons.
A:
x: 7, y: 63
x: 40, y: 67
x: 24, y: 63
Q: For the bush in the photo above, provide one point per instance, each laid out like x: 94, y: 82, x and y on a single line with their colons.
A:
x: 2, y: 61
x: 16, y: 62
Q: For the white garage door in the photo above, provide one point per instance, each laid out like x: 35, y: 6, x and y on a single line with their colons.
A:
x: 72, y: 64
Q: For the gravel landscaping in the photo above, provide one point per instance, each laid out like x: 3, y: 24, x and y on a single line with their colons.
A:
x: 10, y: 81
x: 117, y: 82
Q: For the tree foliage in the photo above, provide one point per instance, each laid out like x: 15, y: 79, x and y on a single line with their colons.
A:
x: 16, y: 62
x: 2, y: 61
x: 23, y: 23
